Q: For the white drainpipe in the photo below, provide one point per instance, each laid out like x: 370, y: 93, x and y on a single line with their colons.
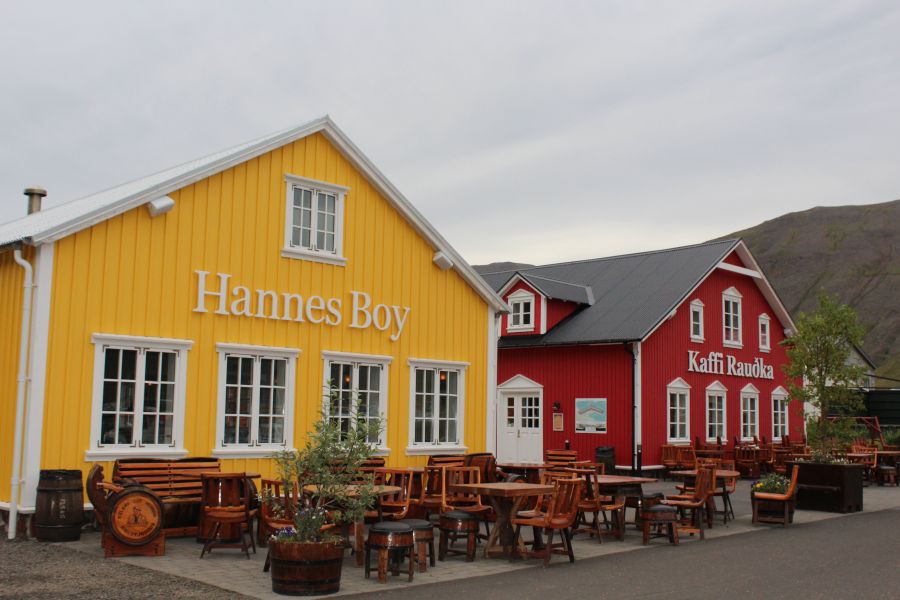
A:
x: 21, y: 384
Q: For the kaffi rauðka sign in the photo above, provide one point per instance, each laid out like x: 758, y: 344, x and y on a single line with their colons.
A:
x: 240, y: 300
x: 716, y: 363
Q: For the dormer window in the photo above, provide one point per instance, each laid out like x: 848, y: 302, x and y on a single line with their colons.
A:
x: 521, y: 311
x: 731, y: 318
x: 697, y: 321
x: 314, y: 225
x: 764, y: 337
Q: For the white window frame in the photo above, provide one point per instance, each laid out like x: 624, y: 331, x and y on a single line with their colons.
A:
x: 731, y: 295
x: 329, y: 357
x: 432, y: 448
x: 519, y: 298
x: 98, y: 451
x: 697, y: 309
x: 765, y: 339
x: 749, y: 392
x: 716, y: 389
x: 255, y: 449
x: 779, y: 394
x: 678, y: 387
x: 340, y: 193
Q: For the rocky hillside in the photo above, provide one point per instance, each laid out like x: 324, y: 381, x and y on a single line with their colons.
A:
x: 851, y: 251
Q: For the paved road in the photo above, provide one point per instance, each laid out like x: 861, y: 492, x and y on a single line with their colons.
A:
x: 857, y: 557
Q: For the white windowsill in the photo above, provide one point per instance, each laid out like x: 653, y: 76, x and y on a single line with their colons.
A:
x: 678, y: 441
x: 381, y: 452
x: 766, y: 350
x: 116, y: 453
x: 430, y: 450
x: 519, y: 328
x: 733, y: 344
x: 699, y: 340
x: 329, y: 259
x: 254, y: 452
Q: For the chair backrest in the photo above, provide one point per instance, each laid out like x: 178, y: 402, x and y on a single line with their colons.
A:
x: 484, y: 462
x: 451, y: 499
x: 279, y: 502
x: 563, y: 505
x: 560, y: 457
x: 372, y: 466
x: 588, y: 476
x: 450, y: 460
x: 705, y: 478
x: 397, y: 503
x: 225, y: 490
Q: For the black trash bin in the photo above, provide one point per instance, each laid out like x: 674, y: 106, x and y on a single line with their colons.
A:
x: 607, y: 456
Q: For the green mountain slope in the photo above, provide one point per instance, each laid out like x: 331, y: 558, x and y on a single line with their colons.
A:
x: 851, y: 251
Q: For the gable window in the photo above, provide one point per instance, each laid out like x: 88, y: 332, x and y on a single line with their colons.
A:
x: 678, y: 411
x: 255, y: 399
x: 437, y: 403
x: 521, y: 311
x: 731, y: 318
x: 779, y: 414
x: 696, y: 321
x: 764, y: 342
x: 356, y: 389
x: 138, y: 398
x: 715, y: 411
x: 314, y: 224
x: 749, y: 413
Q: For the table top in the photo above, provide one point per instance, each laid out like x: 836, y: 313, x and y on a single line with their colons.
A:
x: 504, y: 489
x: 380, y: 490
x: 407, y: 469
x: 623, y: 480
x: 719, y: 473
x: 524, y: 465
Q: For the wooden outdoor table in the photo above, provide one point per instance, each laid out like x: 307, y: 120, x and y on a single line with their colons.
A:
x: 530, y: 471
x: 506, y: 499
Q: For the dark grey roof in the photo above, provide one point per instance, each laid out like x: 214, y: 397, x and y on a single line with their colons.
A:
x: 632, y: 293
x: 558, y: 290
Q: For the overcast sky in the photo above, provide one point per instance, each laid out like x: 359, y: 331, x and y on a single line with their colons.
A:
x: 529, y: 131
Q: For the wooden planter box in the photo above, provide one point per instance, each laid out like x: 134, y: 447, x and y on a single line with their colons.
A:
x: 829, y: 488
x: 773, y: 512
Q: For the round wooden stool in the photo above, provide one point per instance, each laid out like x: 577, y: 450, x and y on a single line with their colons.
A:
x: 886, y: 474
x: 423, y: 534
x: 390, y: 538
x: 454, y: 524
x: 656, y: 516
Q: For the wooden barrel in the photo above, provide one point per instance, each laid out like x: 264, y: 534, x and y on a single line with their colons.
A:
x: 135, y: 515
x: 59, y: 509
x: 305, y: 569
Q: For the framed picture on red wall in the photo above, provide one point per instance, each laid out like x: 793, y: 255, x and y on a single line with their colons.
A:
x: 590, y: 415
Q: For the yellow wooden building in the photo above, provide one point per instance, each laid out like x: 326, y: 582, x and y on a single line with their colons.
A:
x: 206, y: 309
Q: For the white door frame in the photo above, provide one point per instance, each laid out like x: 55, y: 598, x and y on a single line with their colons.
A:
x: 519, y: 385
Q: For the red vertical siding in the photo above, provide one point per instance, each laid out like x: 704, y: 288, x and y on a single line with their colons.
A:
x: 664, y: 357
x: 578, y: 372
x: 557, y: 310
x: 538, y: 313
x: 734, y: 259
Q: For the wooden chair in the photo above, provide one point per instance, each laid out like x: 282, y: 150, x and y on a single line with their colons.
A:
x: 562, y: 458
x: 449, y: 460
x: 669, y: 457
x: 395, y: 507
x: 592, y: 502
x: 747, y: 462
x: 687, y: 457
x: 276, y: 508
x: 457, y: 507
x: 226, y: 501
x: 786, y: 501
x: 560, y: 516
x: 729, y: 487
x: 372, y: 466
x: 696, y: 503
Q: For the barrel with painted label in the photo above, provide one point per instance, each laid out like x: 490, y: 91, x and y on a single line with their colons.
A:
x: 59, y: 509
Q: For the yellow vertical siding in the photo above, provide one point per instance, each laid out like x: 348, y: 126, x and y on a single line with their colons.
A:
x: 134, y: 275
x: 11, y: 279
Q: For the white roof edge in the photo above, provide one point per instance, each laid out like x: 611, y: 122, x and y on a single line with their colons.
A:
x: 249, y: 151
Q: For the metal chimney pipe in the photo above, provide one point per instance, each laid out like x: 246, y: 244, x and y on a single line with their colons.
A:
x: 34, y: 198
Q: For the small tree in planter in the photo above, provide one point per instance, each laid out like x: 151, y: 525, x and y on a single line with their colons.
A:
x: 330, y: 461
x: 822, y: 376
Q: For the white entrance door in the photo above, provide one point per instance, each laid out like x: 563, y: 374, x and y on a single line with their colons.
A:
x: 520, y: 427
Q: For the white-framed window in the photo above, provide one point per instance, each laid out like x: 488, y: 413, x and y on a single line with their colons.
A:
x: 715, y: 411
x: 749, y: 412
x: 255, y: 399
x: 314, y: 220
x: 764, y: 333
x: 779, y: 413
x: 437, y: 406
x: 679, y: 411
x: 356, y: 393
x: 697, y: 321
x: 731, y: 318
x: 521, y: 311
x: 138, y: 397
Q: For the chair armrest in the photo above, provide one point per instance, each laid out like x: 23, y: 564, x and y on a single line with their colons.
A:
x: 770, y: 496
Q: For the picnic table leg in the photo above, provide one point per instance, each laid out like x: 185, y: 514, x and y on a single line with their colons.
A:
x: 358, y: 543
x: 505, y: 508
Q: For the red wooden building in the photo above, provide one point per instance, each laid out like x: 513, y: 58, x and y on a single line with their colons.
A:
x: 641, y: 350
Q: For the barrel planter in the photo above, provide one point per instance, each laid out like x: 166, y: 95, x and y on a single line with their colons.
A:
x: 59, y: 508
x: 305, y: 568
x: 829, y: 487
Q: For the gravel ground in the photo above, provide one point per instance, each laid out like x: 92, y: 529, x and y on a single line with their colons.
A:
x: 39, y: 570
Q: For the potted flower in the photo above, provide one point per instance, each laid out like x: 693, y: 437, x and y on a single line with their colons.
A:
x: 823, y: 377
x: 306, y: 559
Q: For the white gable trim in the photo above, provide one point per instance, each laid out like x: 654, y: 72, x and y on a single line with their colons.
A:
x: 716, y: 386
x: 520, y: 382
x: 513, y: 281
x: 780, y: 392
x: 679, y: 383
x: 736, y: 269
x: 750, y: 389
x: 334, y: 135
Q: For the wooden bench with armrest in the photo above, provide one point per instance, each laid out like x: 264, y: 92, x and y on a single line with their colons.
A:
x: 177, y: 483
